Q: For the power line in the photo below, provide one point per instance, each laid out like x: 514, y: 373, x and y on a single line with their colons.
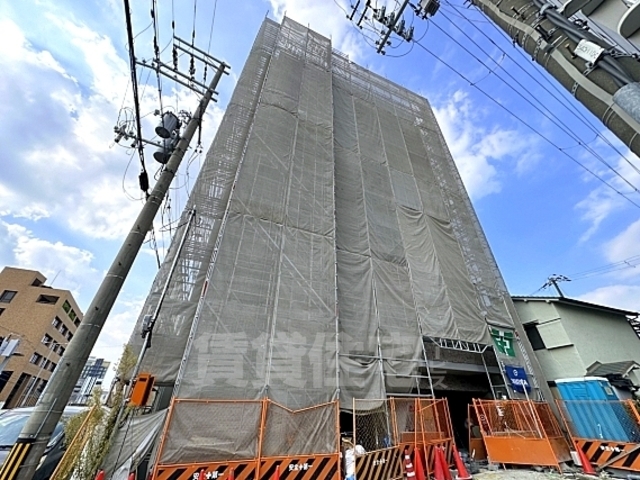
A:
x: 548, y: 114
x: 529, y: 126
x: 567, y: 103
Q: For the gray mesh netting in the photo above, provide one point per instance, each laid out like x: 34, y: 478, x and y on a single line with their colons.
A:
x: 332, y: 229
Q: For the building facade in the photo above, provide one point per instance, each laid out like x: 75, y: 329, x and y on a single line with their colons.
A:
x: 333, y: 256
x: 43, y: 320
x: 573, y: 339
x: 91, y: 378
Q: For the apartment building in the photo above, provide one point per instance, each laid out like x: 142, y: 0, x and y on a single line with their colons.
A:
x: 43, y: 319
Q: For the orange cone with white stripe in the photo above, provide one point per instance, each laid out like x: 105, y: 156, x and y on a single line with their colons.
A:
x: 232, y: 475
x: 276, y: 474
x: 409, y: 471
x: 463, y: 473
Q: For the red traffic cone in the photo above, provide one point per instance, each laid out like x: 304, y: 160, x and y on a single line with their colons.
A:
x: 276, y: 474
x: 100, y: 475
x: 463, y: 473
x: 444, y: 463
x: 438, y: 471
x: 409, y: 472
x: 232, y: 475
x: 419, y: 468
x: 132, y: 476
x: 202, y: 473
x: 587, y: 468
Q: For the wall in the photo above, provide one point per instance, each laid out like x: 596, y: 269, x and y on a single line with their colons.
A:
x: 24, y: 317
x: 575, y: 337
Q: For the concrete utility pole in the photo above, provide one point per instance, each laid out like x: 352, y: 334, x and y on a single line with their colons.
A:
x: 601, y: 77
x: 25, y: 455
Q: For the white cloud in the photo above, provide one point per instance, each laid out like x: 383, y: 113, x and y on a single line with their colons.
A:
x: 476, y: 147
x: 625, y: 297
x: 70, y: 266
x: 602, y: 201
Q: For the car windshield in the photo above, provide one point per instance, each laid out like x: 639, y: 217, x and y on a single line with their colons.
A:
x: 10, y: 427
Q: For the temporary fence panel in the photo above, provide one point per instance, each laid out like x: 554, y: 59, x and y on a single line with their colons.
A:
x: 250, y: 439
x: 514, y: 434
x: 373, y: 425
x: 477, y: 450
x: 607, y: 431
x: 552, y: 430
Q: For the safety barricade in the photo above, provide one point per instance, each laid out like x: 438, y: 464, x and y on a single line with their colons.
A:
x: 514, y: 432
x: 607, y: 432
x: 249, y: 440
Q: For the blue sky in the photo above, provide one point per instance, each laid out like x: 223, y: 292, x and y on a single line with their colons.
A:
x: 68, y: 195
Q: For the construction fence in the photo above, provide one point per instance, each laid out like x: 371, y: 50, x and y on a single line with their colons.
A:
x: 218, y: 439
x: 607, y: 432
x: 385, y: 429
x: 521, y: 432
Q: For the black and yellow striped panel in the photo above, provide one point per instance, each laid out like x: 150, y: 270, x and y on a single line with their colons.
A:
x: 599, y: 453
x: 303, y: 467
x: 14, y: 460
x: 381, y: 464
x: 211, y: 471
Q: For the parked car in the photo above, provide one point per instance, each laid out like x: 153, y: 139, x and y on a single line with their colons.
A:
x: 11, y: 423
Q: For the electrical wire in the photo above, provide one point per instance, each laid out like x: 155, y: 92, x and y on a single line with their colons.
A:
x: 569, y: 104
x: 531, y: 127
x: 547, y: 114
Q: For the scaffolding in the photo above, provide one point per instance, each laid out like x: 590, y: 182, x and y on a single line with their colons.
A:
x: 333, y: 241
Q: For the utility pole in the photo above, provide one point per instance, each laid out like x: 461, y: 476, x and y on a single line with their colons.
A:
x: 600, y: 76
x: 553, y: 281
x: 25, y: 455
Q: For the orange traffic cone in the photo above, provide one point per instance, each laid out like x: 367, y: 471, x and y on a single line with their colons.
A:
x: 438, y: 471
x: 276, y: 474
x: 444, y: 463
x: 232, y: 475
x: 419, y: 468
x: 587, y: 468
x: 409, y: 472
x: 132, y: 476
x: 463, y: 473
x: 100, y: 475
x: 202, y: 473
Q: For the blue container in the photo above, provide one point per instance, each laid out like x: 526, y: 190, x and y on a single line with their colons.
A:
x: 595, y: 411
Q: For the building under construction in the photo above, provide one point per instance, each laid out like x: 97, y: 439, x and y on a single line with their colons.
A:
x: 328, y: 271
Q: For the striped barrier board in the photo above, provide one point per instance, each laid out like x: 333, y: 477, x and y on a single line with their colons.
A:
x: 604, y: 454
x: 383, y: 464
x: 210, y: 471
x: 14, y: 460
x: 301, y: 467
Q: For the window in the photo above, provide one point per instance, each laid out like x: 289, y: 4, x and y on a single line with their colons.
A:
x: 64, y: 329
x: 7, y: 296
x: 1, y: 311
x: 35, y: 358
x: 53, y: 366
x: 76, y: 322
x: 56, y: 323
x: 66, y: 306
x: 47, y: 339
x: 72, y: 315
x: 61, y: 350
x: 69, y: 336
x: 534, y: 337
x: 46, y: 364
x: 36, y: 283
x: 48, y: 299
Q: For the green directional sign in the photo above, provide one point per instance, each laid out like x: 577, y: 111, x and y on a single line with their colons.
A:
x: 503, y: 339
